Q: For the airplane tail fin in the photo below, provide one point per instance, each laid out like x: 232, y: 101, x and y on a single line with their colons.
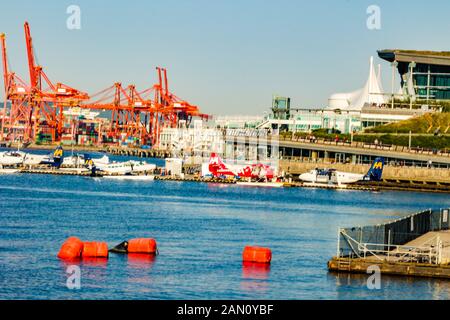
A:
x: 376, y: 170
x: 88, y: 161
x: 58, y: 156
x: 215, y: 160
x: 216, y: 164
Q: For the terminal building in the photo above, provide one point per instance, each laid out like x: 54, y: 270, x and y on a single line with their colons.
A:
x: 424, y: 87
x: 424, y: 74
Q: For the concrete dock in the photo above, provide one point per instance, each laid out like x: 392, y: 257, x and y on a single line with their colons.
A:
x: 391, y: 268
x: 363, y: 186
x: 426, y: 254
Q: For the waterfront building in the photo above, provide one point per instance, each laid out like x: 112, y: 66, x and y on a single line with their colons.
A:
x: 237, y: 121
x: 371, y: 94
x: 197, y: 139
x: 425, y: 86
x: 425, y: 75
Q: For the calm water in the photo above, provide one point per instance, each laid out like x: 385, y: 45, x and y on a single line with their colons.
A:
x: 201, y: 230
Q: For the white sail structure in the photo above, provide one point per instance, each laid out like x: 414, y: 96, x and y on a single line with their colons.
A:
x: 371, y: 93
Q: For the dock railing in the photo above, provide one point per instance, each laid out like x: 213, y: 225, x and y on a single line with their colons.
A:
x: 388, y: 242
x: 429, y: 252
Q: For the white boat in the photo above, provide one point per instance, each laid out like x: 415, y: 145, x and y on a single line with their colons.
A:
x: 131, y: 177
x: 260, y: 184
x: 9, y: 171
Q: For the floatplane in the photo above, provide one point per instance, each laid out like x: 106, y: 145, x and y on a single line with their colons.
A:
x: 15, y: 158
x: 251, y: 174
x: 129, y: 170
x: 333, y: 178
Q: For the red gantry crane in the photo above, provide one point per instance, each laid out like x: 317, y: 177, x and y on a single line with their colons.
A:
x: 16, y: 124
x: 47, y: 103
x: 39, y: 107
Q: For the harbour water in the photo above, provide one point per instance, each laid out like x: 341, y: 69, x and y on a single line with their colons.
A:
x: 201, y: 231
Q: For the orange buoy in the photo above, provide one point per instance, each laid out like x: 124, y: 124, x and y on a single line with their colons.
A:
x: 142, y: 245
x: 95, y: 249
x: 71, y: 248
x: 257, y: 254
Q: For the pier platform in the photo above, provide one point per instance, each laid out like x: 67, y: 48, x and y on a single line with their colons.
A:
x: 417, y: 245
x: 389, y: 267
x: 363, y: 186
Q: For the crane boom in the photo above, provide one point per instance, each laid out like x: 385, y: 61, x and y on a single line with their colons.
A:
x: 31, y: 65
x: 4, y: 61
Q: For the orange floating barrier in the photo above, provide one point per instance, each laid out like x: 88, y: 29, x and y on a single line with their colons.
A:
x: 95, y: 249
x: 142, y: 245
x: 257, y: 254
x: 71, y: 249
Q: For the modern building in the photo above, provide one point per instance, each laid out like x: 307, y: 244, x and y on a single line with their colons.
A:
x: 237, y: 121
x: 371, y: 94
x: 307, y: 120
x: 196, y: 140
x: 425, y: 75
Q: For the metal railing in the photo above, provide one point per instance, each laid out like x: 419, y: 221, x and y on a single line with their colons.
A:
x: 428, y: 252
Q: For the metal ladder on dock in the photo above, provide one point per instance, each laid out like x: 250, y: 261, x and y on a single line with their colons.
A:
x: 344, y: 264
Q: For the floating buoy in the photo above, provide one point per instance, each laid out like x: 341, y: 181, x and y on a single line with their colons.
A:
x: 139, y: 246
x: 257, y: 254
x: 71, y: 249
x: 142, y: 245
x: 95, y: 249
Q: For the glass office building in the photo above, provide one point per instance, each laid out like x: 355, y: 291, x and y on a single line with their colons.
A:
x: 430, y: 72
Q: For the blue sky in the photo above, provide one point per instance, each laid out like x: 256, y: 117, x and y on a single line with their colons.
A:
x: 226, y: 56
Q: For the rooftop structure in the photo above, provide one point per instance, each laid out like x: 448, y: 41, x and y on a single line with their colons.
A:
x: 425, y: 75
x: 237, y: 121
x: 372, y: 93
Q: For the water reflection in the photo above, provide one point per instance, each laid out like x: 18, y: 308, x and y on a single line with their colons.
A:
x: 351, y: 286
x: 257, y: 271
x: 95, y: 262
x: 140, y: 261
x: 139, y: 267
x: 255, y: 277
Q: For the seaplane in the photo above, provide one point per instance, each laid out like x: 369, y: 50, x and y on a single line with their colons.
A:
x: 19, y: 158
x: 79, y: 160
x: 254, y: 174
x: 335, y: 178
x: 11, y: 158
x: 128, y: 168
